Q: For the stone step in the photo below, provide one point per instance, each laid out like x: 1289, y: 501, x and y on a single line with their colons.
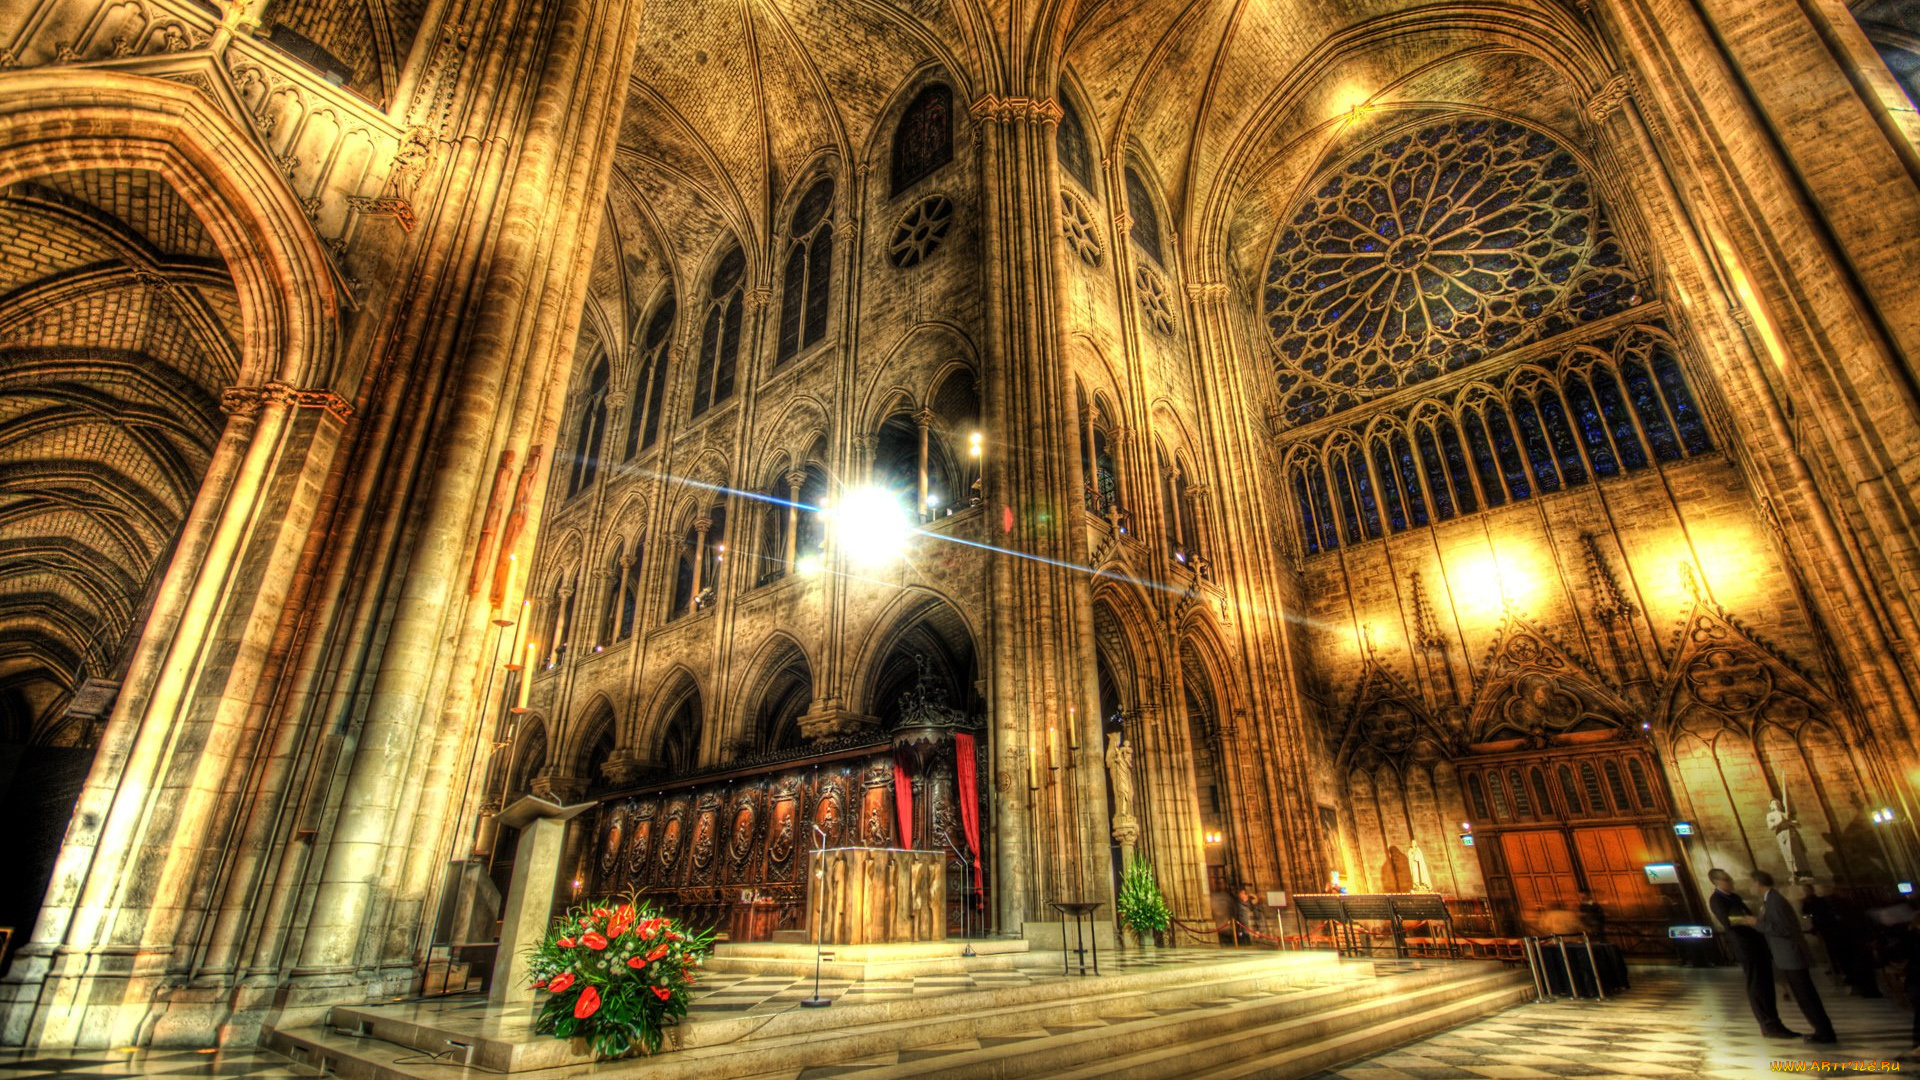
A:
x: 395, y: 1042
x: 1365, y: 1013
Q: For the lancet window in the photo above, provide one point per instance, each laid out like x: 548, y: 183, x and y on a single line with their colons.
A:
x: 590, y: 431
x: 1602, y: 415
x: 720, y: 338
x: 1071, y: 144
x: 808, y: 274
x: 924, y: 140
x: 1145, y: 229
x: 696, y: 565
x: 650, y: 382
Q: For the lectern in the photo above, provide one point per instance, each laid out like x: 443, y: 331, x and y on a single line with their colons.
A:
x: 536, y: 873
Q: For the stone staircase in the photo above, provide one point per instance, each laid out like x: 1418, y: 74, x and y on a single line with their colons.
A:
x: 1242, y: 1014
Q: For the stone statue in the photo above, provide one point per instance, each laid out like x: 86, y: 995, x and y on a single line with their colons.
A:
x: 1786, y: 833
x: 1120, y: 777
x: 1417, y: 868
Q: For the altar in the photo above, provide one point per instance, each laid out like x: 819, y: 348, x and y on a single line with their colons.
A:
x: 864, y: 895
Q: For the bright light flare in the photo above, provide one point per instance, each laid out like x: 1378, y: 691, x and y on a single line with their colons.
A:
x: 870, y: 525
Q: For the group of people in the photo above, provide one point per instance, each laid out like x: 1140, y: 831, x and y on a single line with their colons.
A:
x: 1768, y: 942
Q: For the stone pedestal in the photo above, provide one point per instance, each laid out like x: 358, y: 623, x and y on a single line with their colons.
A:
x: 864, y: 896
x: 536, y: 872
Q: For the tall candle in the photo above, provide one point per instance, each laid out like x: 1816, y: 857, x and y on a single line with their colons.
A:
x: 526, y: 677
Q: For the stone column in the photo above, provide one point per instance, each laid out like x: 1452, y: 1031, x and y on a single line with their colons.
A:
x: 1040, y: 636
x: 700, y: 528
x: 923, y: 421
x: 795, y: 480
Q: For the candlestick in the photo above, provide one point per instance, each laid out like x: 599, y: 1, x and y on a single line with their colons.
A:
x: 1033, y: 770
x: 1073, y: 728
x: 1053, y: 747
x: 526, y: 680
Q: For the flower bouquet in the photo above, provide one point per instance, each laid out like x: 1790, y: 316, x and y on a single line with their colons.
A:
x: 615, y: 974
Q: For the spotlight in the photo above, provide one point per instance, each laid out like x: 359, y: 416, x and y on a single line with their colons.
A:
x: 973, y: 445
x: 807, y: 565
x: 870, y: 526
x: 1883, y: 816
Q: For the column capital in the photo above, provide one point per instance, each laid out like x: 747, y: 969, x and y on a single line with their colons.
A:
x: 1016, y: 110
x: 702, y: 525
x: 924, y: 416
x: 1209, y: 292
x: 1612, y: 96
x: 248, y: 400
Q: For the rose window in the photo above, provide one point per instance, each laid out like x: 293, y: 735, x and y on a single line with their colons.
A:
x: 1155, y: 306
x: 920, y: 231
x: 1082, y: 236
x: 1430, y: 251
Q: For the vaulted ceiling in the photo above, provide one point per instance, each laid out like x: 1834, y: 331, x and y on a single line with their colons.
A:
x: 1230, y: 106
x: 117, y: 335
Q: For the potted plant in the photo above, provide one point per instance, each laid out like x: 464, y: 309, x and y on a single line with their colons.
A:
x: 616, y: 974
x: 1142, y: 909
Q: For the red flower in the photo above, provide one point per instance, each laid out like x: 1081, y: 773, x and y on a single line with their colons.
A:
x: 662, y: 993
x: 594, y: 941
x: 560, y: 982
x: 646, y: 930
x: 600, y: 913
x: 636, y: 962
x: 540, y: 985
x: 658, y: 952
x: 622, y: 920
x: 565, y: 943
x: 588, y: 1004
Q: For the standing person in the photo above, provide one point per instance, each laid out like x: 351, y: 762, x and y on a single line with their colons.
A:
x: 1243, y: 916
x: 1593, y: 918
x: 1791, y: 957
x: 1839, y: 929
x: 1750, y: 951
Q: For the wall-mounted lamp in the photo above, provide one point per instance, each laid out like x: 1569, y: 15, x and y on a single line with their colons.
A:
x: 1883, y: 816
x: 1213, y: 836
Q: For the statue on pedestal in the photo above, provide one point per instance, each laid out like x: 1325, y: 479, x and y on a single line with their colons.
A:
x: 1786, y: 833
x: 1417, y: 868
x: 1120, y: 776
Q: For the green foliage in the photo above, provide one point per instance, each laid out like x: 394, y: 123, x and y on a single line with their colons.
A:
x: 616, y: 974
x: 1142, y: 909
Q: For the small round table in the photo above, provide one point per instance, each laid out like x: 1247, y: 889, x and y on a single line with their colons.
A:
x: 1081, y: 912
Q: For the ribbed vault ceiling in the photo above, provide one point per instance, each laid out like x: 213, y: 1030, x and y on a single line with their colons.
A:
x: 116, y: 338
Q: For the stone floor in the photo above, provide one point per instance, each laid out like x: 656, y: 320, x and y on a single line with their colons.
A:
x: 1675, y: 1022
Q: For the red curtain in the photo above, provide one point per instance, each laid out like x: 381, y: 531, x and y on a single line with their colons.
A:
x: 903, y: 802
x: 969, y: 798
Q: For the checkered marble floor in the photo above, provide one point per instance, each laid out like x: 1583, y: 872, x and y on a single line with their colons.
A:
x: 1675, y: 1022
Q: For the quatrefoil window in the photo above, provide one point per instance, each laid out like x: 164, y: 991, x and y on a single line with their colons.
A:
x: 920, y: 231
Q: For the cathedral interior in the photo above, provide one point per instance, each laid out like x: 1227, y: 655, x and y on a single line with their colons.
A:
x: 1310, y: 445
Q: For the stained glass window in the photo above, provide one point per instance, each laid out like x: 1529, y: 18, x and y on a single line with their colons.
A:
x: 591, y: 431
x: 809, y: 272
x: 1436, y: 474
x: 1483, y: 461
x: 1309, y: 535
x: 650, y: 389
x: 1613, y: 407
x: 1652, y: 411
x: 1693, y: 430
x: 1499, y: 795
x: 1566, y: 450
x: 720, y: 339
x: 924, y: 140
x: 1409, y: 479
x: 1592, y: 426
x: 1429, y: 251
x: 1145, y: 229
x: 1323, y: 508
x: 1072, y: 145
x: 1457, y: 467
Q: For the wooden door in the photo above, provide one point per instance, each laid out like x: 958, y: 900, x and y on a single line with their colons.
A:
x: 1614, y: 858
x: 1541, y: 870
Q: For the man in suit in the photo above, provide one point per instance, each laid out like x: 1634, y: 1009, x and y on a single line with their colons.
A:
x: 1791, y: 957
x: 1750, y: 951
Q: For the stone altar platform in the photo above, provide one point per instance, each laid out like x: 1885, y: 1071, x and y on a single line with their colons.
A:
x: 897, y: 960
x: 1171, y: 1014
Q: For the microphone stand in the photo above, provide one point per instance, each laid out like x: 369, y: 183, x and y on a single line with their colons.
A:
x: 966, y: 898
x: 820, y: 907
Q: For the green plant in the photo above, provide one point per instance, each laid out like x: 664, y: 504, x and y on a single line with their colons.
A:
x: 1142, y: 909
x: 616, y: 974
